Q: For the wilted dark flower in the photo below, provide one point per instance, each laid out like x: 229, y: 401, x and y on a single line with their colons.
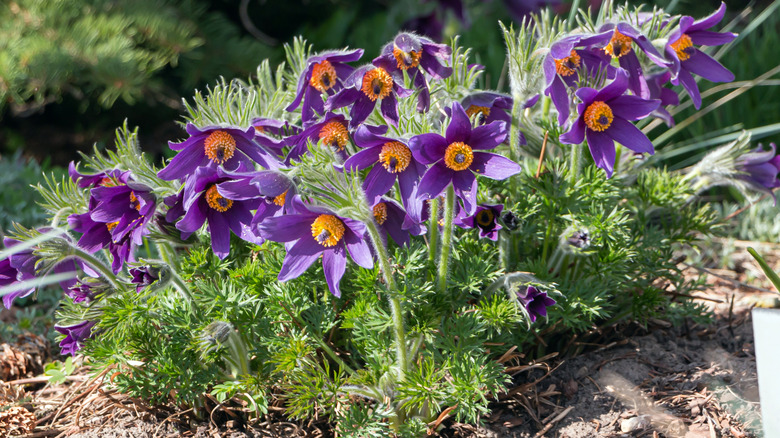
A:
x: 535, y: 301
x: 604, y: 118
x: 312, y: 232
x: 510, y: 220
x: 325, y: 73
x: 143, y: 276
x: 579, y: 238
x: 687, y: 59
x: 457, y: 158
x: 75, y: 335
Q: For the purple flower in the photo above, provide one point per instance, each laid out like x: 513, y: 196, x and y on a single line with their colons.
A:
x: 604, y: 118
x: 85, y: 180
x: 534, y: 301
x: 563, y: 64
x: 620, y: 44
x: 389, y: 215
x: 459, y: 156
x: 760, y: 169
x: 687, y: 59
x: 364, y: 87
x: 655, y: 85
x: 489, y: 107
x: 143, y: 276
x: 127, y: 205
x: 75, y: 335
x: 486, y: 219
x: 210, y: 195
x: 277, y: 192
x: 413, y: 53
x: 81, y: 292
x: 312, y: 232
x: 97, y: 235
x: 392, y: 161
x: 227, y: 147
x: 324, y: 74
x: 332, y: 131
x: 23, y: 266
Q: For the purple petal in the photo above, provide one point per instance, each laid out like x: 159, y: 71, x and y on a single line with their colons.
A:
x: 334, y: 263
x: 286, y: 228
x: 459, y: 128
x: 363, y: 159
x: 708, y: 38
x: 602, y: 148
x: 193, y: 218
x: 632, y: 107
x: 494, y: 166
x: 428, y: 148
x: 625, y: 133
x: 465, y: 184
x: 378, y: 182
x: 184, y: 163
x: 615, y: 89
x: 489, y: 136
x: 707, y: 67
x: 435, y: 180
x: 299, y: 257
x: 361, y: 109
x: 710, y: 20
x: 389, y: 109
x: 359, y: 250
x: 220, y: 234
x: 690, y: 86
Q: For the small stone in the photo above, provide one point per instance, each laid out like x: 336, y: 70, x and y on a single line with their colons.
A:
x: 635, y: 423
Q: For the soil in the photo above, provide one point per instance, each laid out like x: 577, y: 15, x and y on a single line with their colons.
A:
x: 656, y: 381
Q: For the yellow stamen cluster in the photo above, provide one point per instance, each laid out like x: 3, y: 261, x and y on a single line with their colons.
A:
x: 335, y: 134
x: 598, y: 116
x: 377, y: 84
x: 134, y: 201
x: 380, y: 213
x: 619, y: 45
x: 485, y: 218
x: 567, y: 66
x: 279, y: 200
x: 327, y: 230
x: 217, y: 201
x: 407, y: 60
x: 683, y: 47
x: 395, y: 156
x: 259, y: 129
x: 220, y: 146
x: 323, y: 76
x: 108, y: 182
x: 458, y: 156
x: 482, y: 112
x: 112, y: 225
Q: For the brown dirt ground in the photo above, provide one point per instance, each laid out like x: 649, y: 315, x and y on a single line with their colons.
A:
x: 656, y: 381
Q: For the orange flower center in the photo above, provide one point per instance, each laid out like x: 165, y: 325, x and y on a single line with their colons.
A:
x: 112, y: 225
x: 334, y: 134
x: 217, y: 201
x: 485, y: 218
x: 327, y: 230
x: 279, y: 200
x: 108, y: 182
x: 134, y: 201
x: 458, y: 156
x: 259, y: 129
x: 380, y: 213
x: 377, y: 84
x: 395, y: 156
x: 220, y: 146
x: 480, y: 112
x: 323, y: 76
x: 407, y: 60
x: 619, y: 45
x: 567, y: 66
x: 598, y: 116
x: 683, y: 47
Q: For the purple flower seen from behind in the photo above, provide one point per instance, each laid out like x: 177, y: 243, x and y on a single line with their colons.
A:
x: 324, y: 73
x: 760, y: 169
x: 364, y: 87
x: 226, y: 147
x: 604, y: 118
x: 534, y: 301
x: 459, y: 156
x: 485, y: 219
x: 311, y: 233
x: 687, y: 59
x: 75, y: 335
x: 143, y: 276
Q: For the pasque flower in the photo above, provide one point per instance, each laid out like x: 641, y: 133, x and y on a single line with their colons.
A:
x: 392, y: 161
x: 604, y: 118
x: 312, y: 232
x: 687, y: 59
x: 226, y: 147
x: 415, y: 54
x: 389, y: 215
x: 331, y: 131
x: 324, y: 73
x: 364, y: 87
x: 760, y: 168
x: 143, y: 276
x: 75, y: 335
x: 459, y: 156
x: 485, y: 219
x: 206, y: 199
x: 534, y: 301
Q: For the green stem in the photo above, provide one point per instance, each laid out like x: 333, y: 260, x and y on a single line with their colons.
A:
x: 395, y: 302
x: 98, y: 265
x: 184, y: 289
x: 433, y: 231
x: 446, y: 240
x: 575, y: 163
x: 546, y: 244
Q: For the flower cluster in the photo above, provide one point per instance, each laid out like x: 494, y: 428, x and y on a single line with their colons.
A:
x: 635, y: 91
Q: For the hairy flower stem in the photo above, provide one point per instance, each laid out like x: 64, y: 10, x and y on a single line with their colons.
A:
x: 395, y: 302
x: 446, y: 240
x: 514, y: 138
x: 97, y: 265
x: 433, y: 231
x: 575, y: 163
